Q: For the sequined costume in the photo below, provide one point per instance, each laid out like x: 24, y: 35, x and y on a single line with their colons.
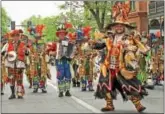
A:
x: 40, y: 64
x: 16, y: 66
x: 118, y: 71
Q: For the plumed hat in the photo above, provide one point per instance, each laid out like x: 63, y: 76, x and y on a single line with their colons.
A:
x: 120, y: 16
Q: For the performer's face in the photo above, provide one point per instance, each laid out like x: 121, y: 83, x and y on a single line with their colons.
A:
x: 119, y: 28
x: 16, y: 38
x: 62, y: 36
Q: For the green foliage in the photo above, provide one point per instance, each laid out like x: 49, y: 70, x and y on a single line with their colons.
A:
x: 94, y: 14
x: 5, y: 21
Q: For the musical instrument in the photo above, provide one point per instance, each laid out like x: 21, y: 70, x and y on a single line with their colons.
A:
x: 11, y: 56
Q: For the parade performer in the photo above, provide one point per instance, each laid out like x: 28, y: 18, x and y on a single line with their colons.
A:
x: 28, y: 62
x: 15, y: 50
x: 82, y: 74
x: 89, y: 67
x: 31, y: 64
x: 118, y: 71
x: 142, y: 74
x: 65, y: 50
x: 39, y: 79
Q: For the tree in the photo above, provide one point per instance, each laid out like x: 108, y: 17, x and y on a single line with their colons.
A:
x: 99, y: 11
x: 5, y: 21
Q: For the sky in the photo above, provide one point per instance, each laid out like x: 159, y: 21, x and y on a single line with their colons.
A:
x: 21, y: 10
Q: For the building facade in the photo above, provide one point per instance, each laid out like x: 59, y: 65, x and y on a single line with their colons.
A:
x: 138, y: 15
x: 156, y: 17
x: 156, y: 24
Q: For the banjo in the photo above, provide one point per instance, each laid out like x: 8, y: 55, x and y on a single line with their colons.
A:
x: 12, y: 55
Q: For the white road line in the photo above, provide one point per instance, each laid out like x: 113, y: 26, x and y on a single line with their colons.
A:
x: 84, y: 104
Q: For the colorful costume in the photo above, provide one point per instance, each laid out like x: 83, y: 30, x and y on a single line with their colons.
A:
x: 142, y: 74
x: 64, y: 56
x: 40, y: 65
x: 118, y: 69
x: 16, y: 66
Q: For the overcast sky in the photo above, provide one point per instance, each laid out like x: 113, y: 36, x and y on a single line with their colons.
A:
x: 20, y: 10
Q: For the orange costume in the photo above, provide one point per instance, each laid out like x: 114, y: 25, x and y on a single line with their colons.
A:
x: 118, y: 70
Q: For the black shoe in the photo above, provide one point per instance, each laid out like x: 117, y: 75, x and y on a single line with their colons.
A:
x: 44, y: 91
x: 20, y: 97
x: 67, y: 94
x: 60, y: 94
x: 12, y: 96
x: 35, y: 90
x: 2, y: 93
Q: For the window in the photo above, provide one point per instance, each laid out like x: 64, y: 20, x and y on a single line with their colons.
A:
x: 132, y: 5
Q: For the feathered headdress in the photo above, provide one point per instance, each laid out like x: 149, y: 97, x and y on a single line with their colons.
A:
x: 39, y: 29
x: 63, y: 29
x: 86, y: 31
x: 72, y: 36
x: 120, y: 13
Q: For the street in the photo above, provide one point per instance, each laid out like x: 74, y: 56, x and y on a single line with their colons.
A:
x: 80, y: 102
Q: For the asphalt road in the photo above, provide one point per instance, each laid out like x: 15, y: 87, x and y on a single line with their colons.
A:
x: 79, y: 102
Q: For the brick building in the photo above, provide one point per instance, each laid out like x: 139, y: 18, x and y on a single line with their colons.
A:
x: 138, y: 15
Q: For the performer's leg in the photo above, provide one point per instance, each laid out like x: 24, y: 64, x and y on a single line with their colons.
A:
x: 109, y: 103
x: 90, y: 82
x: 35, y: 84
x: 78, y: 81
x: 42, y: 84
x: 61, y: 86
x: 60, y: 77
x: 31, y: 82
x: 29, y: 76
x: 136, y: 101
x: 74, y: 81
x: 12, y: 82
x: 67, y: 87
x: 84, y: 83
x: 90, y: 85
x: 67, y: 74
x: 20, y: 87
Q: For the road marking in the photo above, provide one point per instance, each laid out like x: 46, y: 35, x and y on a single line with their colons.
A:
x: 81, y: 102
